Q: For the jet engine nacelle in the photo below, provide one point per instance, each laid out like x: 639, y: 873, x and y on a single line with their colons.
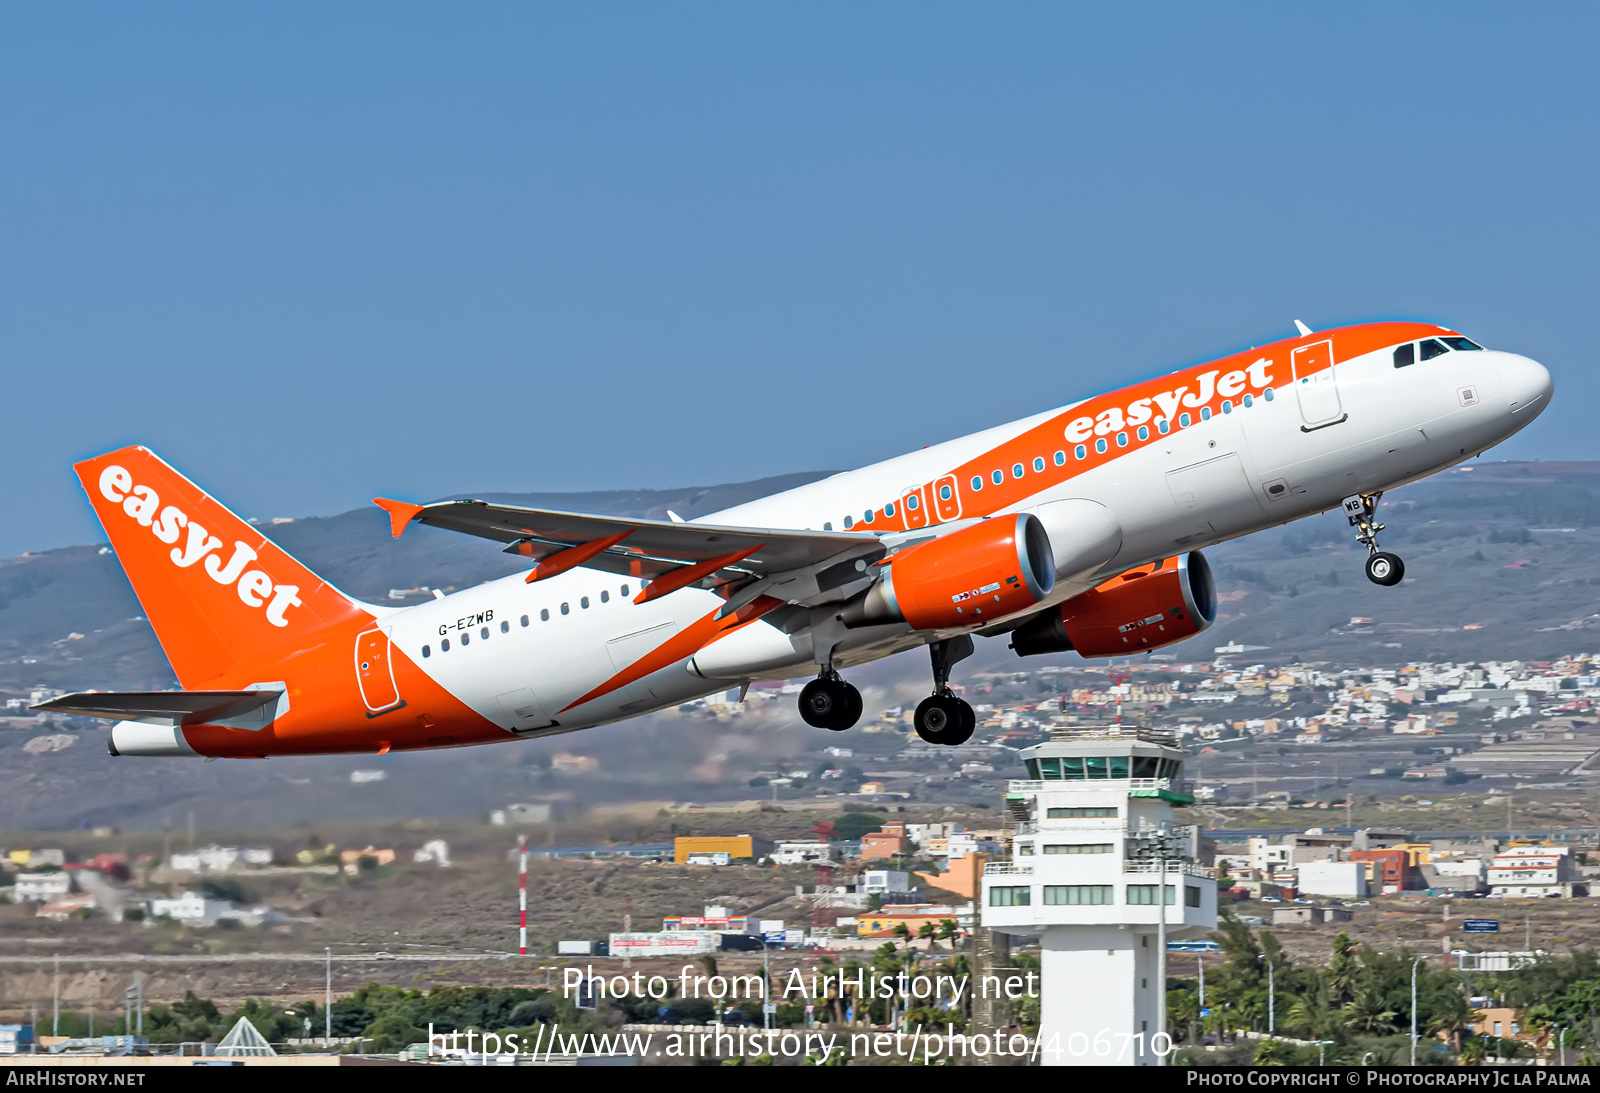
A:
x: 982, y: 572
x: 1144, y: 608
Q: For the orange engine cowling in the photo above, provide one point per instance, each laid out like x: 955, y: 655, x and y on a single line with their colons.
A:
x: 1144, y: 608
x: 982, y: 572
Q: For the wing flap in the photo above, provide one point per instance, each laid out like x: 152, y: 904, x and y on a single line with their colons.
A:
x: 177, y: 707
x: 645, y: 548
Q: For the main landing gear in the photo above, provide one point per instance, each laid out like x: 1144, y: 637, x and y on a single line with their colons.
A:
x: 1382, y: 567
x: 828, y: 702
x: 942, y: 718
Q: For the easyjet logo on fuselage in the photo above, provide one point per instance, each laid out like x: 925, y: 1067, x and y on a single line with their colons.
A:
x: 170, y: 524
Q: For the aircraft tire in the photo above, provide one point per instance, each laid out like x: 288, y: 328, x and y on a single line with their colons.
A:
x: 830, y: 704
x: 1385, y: 569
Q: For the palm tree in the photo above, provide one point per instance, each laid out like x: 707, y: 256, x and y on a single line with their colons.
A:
x: 1472, y: 1051
x: 927, y: 932
x: 1366, y: 1012
x: 948, y: 931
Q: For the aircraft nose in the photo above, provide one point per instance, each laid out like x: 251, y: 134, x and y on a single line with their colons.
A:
x: 1526, y: 384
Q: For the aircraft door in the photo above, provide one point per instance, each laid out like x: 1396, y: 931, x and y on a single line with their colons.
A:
x: 1316, y: 386
x: 947, y: 499
x: 1213, y: 498
x: 375, y: 672
x: 525, y: 710
x: 915, y: 507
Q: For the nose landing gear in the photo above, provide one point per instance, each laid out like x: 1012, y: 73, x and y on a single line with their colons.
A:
x: 1382, y: 567
x: 942, y: 718
x: 829, y: 702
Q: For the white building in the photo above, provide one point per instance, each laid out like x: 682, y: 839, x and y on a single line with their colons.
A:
x: 1333, y: 878
x: 1103, y: 878
x: 879, y: 882
x: 433, y: 852
x: 191, y: 907
x: 1534, y: 871
x: 220, y: 859
x: 801, y: 853
x: 40, y: 887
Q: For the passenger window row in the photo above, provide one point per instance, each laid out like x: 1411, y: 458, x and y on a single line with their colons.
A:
x: 505, y: 627
x: 1081, y: 451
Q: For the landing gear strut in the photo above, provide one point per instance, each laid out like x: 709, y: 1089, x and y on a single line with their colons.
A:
x: 942, y: 718
x: 1382, y: 567
x: 828, y: 702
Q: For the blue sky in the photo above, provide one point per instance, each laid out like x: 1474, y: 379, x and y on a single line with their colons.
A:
x: 315, y: 253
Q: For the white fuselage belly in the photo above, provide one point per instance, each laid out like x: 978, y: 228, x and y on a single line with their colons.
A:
x: 1190, y: 488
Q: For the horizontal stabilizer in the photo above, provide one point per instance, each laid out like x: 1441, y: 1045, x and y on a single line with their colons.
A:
x: 178, y: 707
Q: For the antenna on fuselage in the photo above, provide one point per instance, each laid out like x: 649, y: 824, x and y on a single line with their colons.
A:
x: 1302, y: 327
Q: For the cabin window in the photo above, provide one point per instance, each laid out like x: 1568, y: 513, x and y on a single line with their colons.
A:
x: 1076, y: 895
x: 1080, y: 452
x: 945, y: 493
x: 1100, y: 445
x: 1405, y: 355
x: 484, y: 633
x: 583, y: 602
x: 977, y: 483
x: 1010, y: 896
x: 605, y: 595
x: 1227, y: 406
x: 466, y: 639
x: 1145, y: 894
x: 867, y: 517
x: 1061, y: 459
x: 998, y: 477
x: 544, y: 614
x: 524, y: 620
x: 1144, y: 432
x: 1016, y: 470
x: 566, y: 609
x: 1205, y: 413
x: 849, y: 522
x: 1267, y: 394
x: 1079, y: 848
x: 1184, y: 421
x: 444, y: 646
x: 1162, y: 425
x: 505, y: 627
x: 426, y: 652
x: 888, y: 510
x: 624, y: 591
x: 1432, y: 349
x: 1249, y: 401
x: 1122, y: 440
x: 1038, y: 464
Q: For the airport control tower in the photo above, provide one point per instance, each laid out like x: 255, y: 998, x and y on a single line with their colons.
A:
x: 1095, y: 837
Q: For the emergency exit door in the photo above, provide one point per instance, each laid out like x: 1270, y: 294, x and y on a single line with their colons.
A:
x: 375, y: 672
x: 1316, y: 385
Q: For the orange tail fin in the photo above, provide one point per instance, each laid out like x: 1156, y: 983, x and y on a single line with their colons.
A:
x: 222, y: 598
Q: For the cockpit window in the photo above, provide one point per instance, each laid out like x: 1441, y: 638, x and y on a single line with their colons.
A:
x: 1431, y: 349
x: 1461, y: 343
x: 1405, y: 354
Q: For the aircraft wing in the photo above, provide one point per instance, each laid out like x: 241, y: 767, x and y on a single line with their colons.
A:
x: 179, y: 707
x: 648, y: 549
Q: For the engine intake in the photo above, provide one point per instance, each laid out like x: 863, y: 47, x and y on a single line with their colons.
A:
x: 1142, y: 609
x: 983, y: 572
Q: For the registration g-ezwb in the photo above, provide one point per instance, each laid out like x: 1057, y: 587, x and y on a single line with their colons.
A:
x: 1075, y: 529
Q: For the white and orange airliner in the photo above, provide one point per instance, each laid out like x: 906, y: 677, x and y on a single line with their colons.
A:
x: 1074, y: 529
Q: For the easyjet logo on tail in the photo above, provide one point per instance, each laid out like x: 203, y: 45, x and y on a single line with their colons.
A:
x: 192, y: 543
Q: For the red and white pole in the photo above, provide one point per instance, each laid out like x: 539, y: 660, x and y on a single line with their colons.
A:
x: 522, y: 894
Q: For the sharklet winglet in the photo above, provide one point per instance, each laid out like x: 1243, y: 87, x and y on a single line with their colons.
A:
x: 400, y: 513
